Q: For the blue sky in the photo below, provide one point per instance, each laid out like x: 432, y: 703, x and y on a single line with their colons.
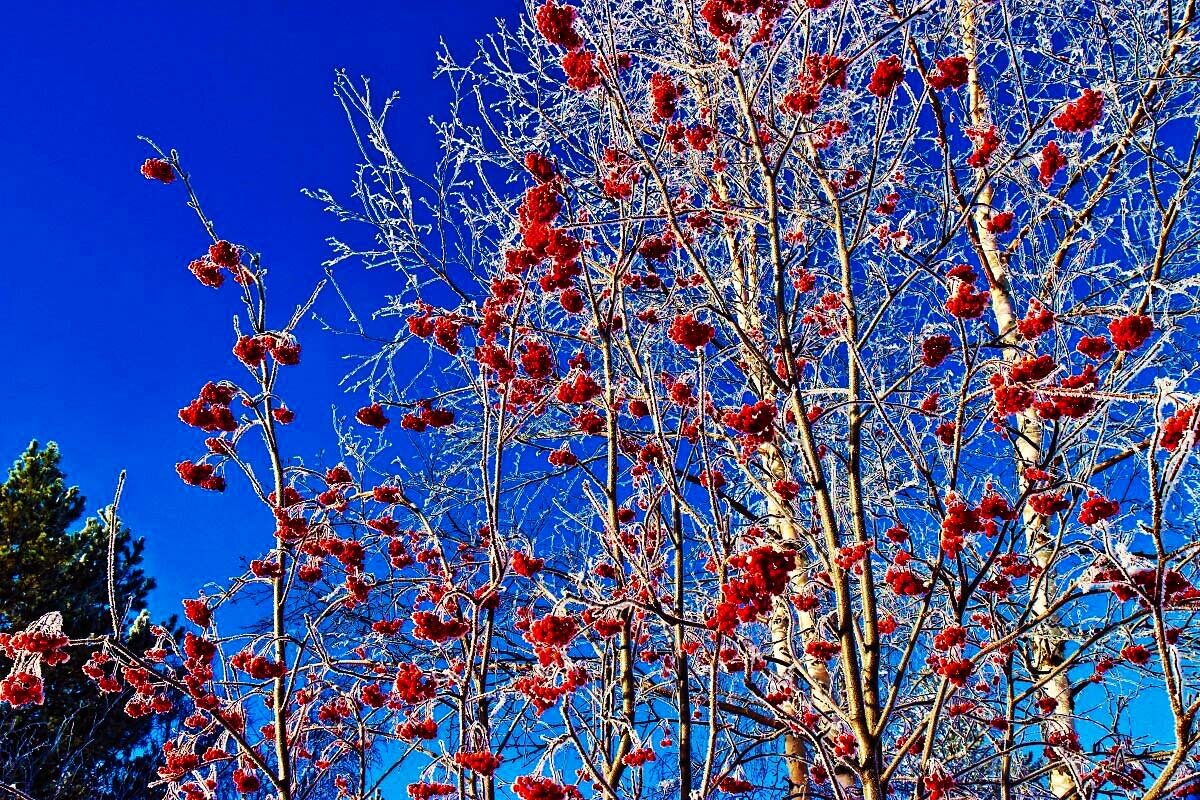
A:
x: 107, y: 335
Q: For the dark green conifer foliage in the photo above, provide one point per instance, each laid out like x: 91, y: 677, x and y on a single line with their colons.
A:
x: 79, y: 744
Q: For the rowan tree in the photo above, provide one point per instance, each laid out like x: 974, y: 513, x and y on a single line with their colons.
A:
x: 775, y: 399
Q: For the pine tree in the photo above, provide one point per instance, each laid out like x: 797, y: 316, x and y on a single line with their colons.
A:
x: 79, y: 744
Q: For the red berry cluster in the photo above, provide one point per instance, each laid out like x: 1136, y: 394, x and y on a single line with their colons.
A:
x: 158, y: 169
x: 948, y: 73
x: 210, y: 411
x: 888, y: 74
x: 483, y: 762
x: 765, y: 573
x: 686, y: 331
x: 934, y: 350
x: 252, y: 350
x: 200, y: 475
x: 1081, y: 114
x: 1130, y: 332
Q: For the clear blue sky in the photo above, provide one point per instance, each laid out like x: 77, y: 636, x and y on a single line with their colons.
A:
x: 107, y: 335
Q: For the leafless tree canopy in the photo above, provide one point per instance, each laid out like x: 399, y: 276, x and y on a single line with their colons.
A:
x: 780, y: 399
